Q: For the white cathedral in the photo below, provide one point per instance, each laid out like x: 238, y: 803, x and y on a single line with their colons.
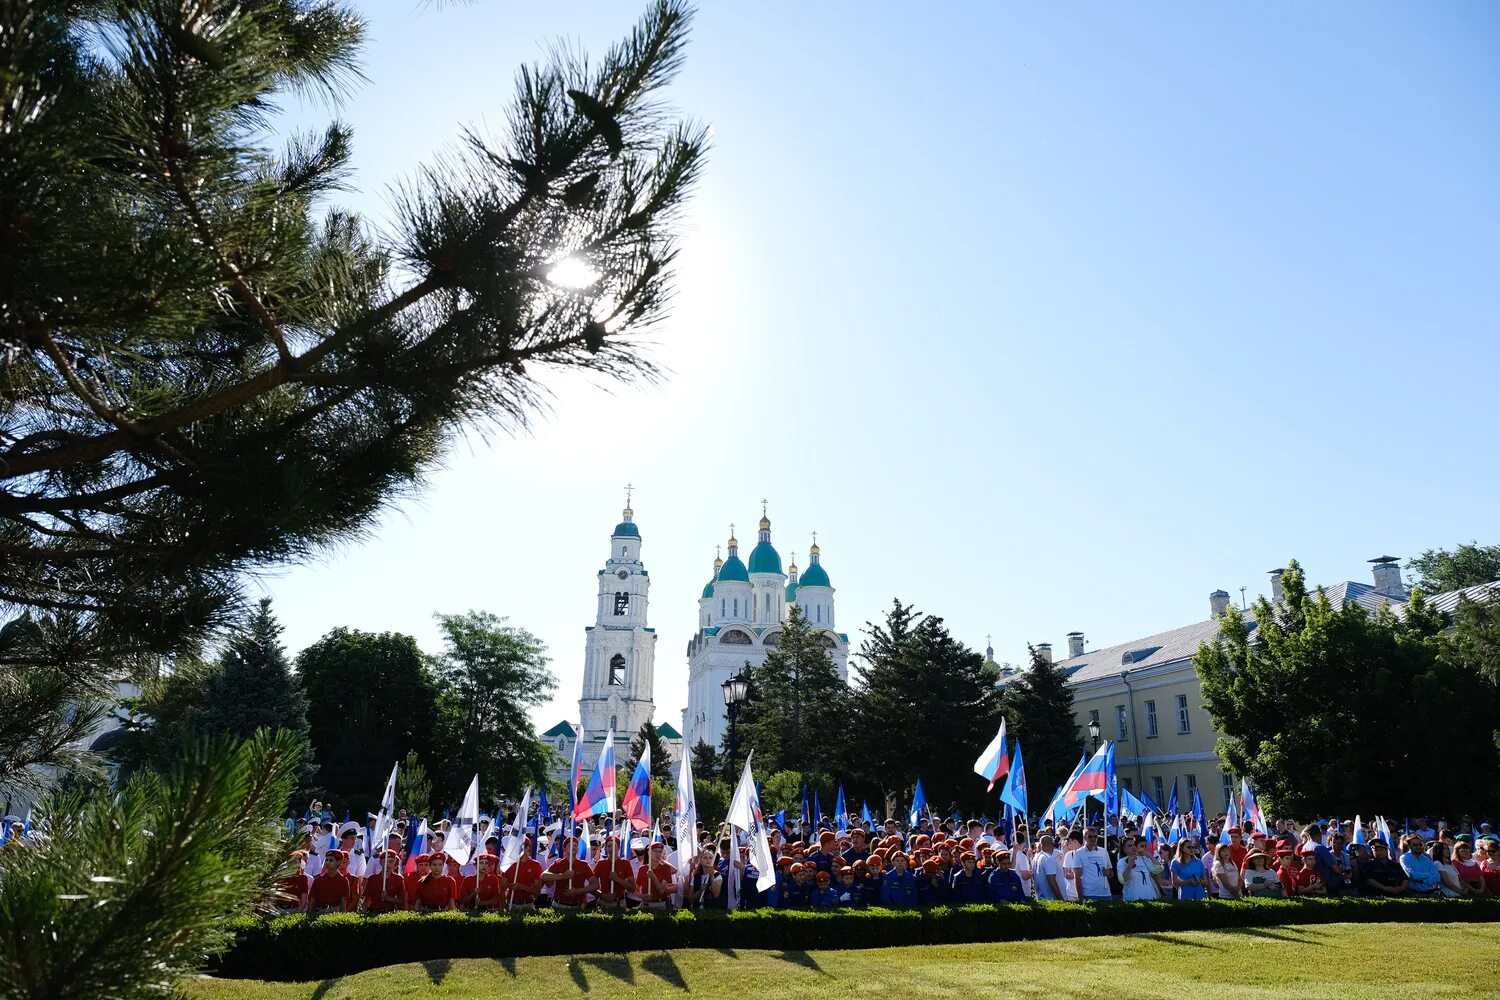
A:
x: 739, y: 619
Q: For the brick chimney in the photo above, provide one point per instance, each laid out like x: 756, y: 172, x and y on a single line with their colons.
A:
x: 1044, y: 650
x: 1218, y: 603
x: 1075, y: 644
x: 1276, y: 592
x: 1387, y: 571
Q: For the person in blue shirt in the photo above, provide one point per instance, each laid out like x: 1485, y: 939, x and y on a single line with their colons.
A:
x: 824, y: 857
x: 851, y: 895
x: 1188, y: 875
x: 1422, y: 876
x: 857, y: 850
x: 1004, y: 882
x: 968, y: 883
x: 899, y: 888
x: 795, y: 889
x: 1325, y: 865
x: 824, y: 896
x: 871, y: 877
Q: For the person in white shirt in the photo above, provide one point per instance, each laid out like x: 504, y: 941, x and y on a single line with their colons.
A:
x: 1021, y: 862
x: 1135, y: 872
x: 1226, y: 874
x: 1049, y: 876
x: 1089, y: 866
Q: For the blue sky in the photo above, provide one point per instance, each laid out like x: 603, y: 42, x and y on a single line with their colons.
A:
x: 1045, y: 316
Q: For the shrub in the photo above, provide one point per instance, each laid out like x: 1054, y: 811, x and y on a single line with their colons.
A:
x: 295, y: 948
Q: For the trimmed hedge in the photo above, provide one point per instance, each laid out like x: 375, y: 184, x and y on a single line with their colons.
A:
x: 297, y: 948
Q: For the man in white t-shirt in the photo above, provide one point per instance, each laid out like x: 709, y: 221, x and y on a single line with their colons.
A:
x: 1089, y: 867
x: 1021, y: 862
x: 1049, y: 878
x: 1071, y: 842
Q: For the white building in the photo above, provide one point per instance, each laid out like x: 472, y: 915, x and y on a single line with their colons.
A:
x: 739, y: 620
x: 619, y: 664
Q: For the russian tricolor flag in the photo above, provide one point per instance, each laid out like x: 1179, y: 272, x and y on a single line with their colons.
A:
x: 993, y: 764
x: 598, y: 798
x: 637, y: 802
x: 1095, y: 777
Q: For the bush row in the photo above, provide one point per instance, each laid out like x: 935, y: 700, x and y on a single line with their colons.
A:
x: 297, y: 948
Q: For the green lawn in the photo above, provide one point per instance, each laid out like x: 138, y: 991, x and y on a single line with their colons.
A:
x: 1318, y: 962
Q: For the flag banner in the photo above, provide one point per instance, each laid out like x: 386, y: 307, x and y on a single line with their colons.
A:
x: 1014, y: 792
x: 575, y: 774
x: 918, y: 805
x: 584, y: 848
x: 745, y: 814
x: 817, y: 810
x: 515, y: 845
x: 637, y: 804
x: 1132, y: 805
x: 459, y: 844
x: 1057, y: 808
x: 1093, y: 778
x: 806, y: 809
x: 1359, y: 831
x: 685, y: 819
x: 1198, y: 819
x: 840, y: 812
x: 1172, y: 800
x: 385, y: 819
x: 992, y: 764
x: 864, y: 813
x: 598, y: 797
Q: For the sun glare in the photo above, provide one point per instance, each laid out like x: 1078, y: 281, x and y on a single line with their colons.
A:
x: 570, y: 272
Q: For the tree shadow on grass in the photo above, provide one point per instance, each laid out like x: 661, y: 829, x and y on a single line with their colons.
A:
x: 664, y: 967
x: 1169, y: 939
x: 614, y: 965
x: 509, y: 965
x: 803, y: 959
x: 728, y: 952
x: 1282, y: 934
x: 323, y: 988
x: 575, y: 969
x: 437, y: 970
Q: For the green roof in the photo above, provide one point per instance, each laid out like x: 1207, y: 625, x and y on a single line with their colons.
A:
x: 563, y: 728
x: 627, y: 529
x: 666, y: 732
x: 814, y: 576
x: 734, y: 570
x: 708, y: 589
x: 764, y: 559
x: 791, y: 593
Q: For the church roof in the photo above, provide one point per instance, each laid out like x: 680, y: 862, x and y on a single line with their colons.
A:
x: 764, y: 558
x: 814, y: 576
x: 563, y: 728
x: 708, y: 589
x: 733, y: 570
x: 666, y: 732
x: 627, y: 529
x: 791, y: 592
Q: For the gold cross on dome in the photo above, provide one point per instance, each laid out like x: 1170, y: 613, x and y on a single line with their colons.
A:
x: 628, y: 490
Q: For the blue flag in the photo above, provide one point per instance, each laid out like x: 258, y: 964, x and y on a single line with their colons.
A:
x: 1359, y: 831
x: 918, y: 804
x: 1014, y: 792
x: 864, y: 813
x: 1198, y: 819
x: 1111, y: 786
x: 806, y: 809
x: 1150, y: 805
x: 817, y: 811
x: 1172, y: 800
x: 1131, y: 805
x: 840, y: 812
x: 781, y: 820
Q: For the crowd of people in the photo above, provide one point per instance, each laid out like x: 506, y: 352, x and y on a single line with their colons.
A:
x: 890, y: 865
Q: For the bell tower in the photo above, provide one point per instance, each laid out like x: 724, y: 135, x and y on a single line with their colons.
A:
x: 620, y: 651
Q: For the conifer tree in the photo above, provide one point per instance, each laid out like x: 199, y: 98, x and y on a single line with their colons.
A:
x: 797, y: 716
x: 706, y: 761
x: 1038, y: 710
x: 661, y: 757
x: 207, y: 367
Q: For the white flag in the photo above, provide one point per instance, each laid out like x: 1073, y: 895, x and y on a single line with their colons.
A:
x: 515, y: 845
x: 685, y: 820
x: 385, y: 820
x: 744, y: 813
x: 459, y: 845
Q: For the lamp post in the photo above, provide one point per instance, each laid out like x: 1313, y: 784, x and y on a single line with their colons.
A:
x: 736, y: 692
x: 1093, y: 735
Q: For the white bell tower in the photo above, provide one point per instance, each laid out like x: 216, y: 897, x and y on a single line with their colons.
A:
x: 620, y: 653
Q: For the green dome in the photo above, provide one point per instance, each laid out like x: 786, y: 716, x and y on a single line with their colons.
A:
x: 814, y: 576
x: 733, y: 569
x: 708, y: 589
x: 791, y: 593
x: 627, y: 529
x: 764, y: 559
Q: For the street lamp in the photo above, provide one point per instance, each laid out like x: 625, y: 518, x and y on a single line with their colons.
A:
x: 736, y: 692
x: 1094, y: 732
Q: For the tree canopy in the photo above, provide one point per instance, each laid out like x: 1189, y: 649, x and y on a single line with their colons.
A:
x: 1337, y: 710
x: 661, y: 758
x: 798, y: 713
x: 1038, y: 709
x: 1467, y: 565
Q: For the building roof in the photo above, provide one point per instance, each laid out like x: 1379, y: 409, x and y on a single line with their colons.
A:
x: 764, y: 558
x: 563, y: 728
x: 1181, y: 643
x: 666, y: 732
x: 627, y: 529
x: 734, y: 570
x: 814, y: 576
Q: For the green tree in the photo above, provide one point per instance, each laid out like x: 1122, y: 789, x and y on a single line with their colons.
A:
x: 1038, y: 710
x: 207, y: 367
x: 797, y: 716
x: 706, y: 761
x: 924, y: 707
x: 49, y: 700
x: 1475, y: 640
x: 661, y: 757
x: 413, y: 787
x: 1470, y: 564
x: 1330, y: 709
x: 130, y: 891
x: 371, y: 699
x: 490, y: 674
x: 713, y: 798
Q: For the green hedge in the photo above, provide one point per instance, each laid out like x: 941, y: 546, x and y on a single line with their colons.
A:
x: 295, y: 949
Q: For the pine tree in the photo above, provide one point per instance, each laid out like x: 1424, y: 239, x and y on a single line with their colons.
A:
x: 207, y: 367
x: 255, y: 688
x: 661, y: 757
x: 413, y: 787
x: 1038, y: 710
x: 706, y: 761
x: 924, y: 707
x: 797, y: 716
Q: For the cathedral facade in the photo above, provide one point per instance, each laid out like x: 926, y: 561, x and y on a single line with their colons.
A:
x: 740, y: 616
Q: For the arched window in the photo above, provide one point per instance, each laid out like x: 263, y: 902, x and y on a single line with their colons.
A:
x: 617, y: 670
x: 820, y: 612
x: 736, y: 607
x: 734, y: 637
x: 614, y: 722
x: 829, y: 641
x: 622, y: 603
x: 622, y: 553
x: 723, y: 604
x: 771, y: 639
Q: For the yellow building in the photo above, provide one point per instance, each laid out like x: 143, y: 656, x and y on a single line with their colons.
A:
x: 1144, y: 695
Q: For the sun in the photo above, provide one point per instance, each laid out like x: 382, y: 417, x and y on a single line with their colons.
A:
x: 570, y: 272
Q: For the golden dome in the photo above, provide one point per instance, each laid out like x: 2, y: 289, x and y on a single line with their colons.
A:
x: 765, y: 523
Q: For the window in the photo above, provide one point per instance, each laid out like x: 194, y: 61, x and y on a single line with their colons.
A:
x: 1093, y: 716
x: 820, y: 612
x: 734, y: 637
x: 1228, y: 783
x: 1121, y: 725
x: 622, y: 603
x: 1184, y: 725
x: 723, y: 606
x: 1158, y: 792
x: 736, y: 607
x: 614, y: 722
x: 617, y: 670
x: 1192, y: 783
x: 1150, y: 720
x: 1129, y: 785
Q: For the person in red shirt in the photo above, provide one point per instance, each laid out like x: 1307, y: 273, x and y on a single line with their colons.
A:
x: 654, y: 883
x: 435, y: 891
x: 386, y: 891
x: 1237, y: 849
x: 616, y: 877
x: 330, y: 891
x: 1489, y: 865
x: 418, y: 865
x: 473, y: 888
x: 292, y: 897
x: 1297, y: 879
x: 572, y: 879
x: 521, y: 883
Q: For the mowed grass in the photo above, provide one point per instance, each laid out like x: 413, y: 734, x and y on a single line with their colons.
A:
x: 1322, y: 961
